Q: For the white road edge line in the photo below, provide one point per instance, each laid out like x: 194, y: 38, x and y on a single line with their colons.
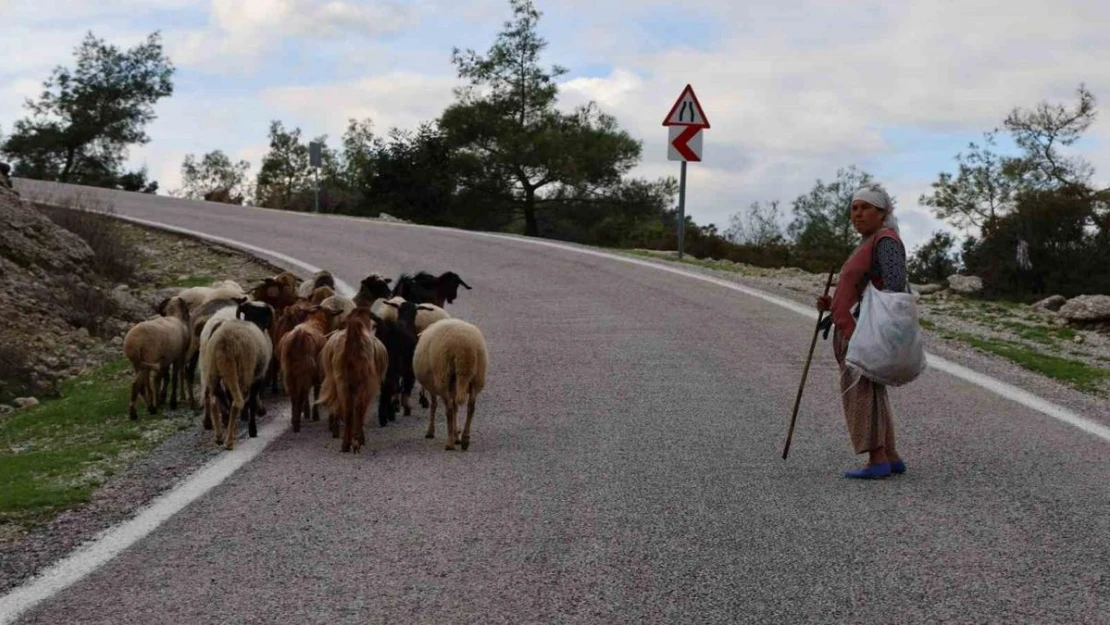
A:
x: 113, y: 541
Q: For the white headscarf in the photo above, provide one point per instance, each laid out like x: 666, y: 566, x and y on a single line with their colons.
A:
x: 877, y: 197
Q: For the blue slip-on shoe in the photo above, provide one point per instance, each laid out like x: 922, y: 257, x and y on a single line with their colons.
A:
x: 898, y: 467
x: 873, y: 472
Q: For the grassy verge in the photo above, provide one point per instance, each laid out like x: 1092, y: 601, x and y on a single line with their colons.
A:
x: 53, y: 456
x: 1073, y: 372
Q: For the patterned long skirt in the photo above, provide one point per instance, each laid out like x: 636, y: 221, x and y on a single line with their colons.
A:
x: 866, y: 406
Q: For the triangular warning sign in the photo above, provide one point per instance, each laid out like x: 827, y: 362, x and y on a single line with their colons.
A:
x: 686, y: 111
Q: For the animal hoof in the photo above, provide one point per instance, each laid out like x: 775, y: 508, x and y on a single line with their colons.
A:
x: 423, y: 403
x: 450, y: 448
x: 465, y: 444
x: 296, y: 427
x: 344, y: 448
x: 429, y: 436
x: 133, y: 415
x: 408, y: 411
x: 253, y: 431
x: 262, y: 411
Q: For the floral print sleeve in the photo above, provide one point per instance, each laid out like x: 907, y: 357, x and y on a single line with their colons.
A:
x: 890, y: 264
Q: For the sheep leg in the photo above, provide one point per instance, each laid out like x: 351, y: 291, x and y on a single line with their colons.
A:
x: 315, y: 407
x: 423, y: 398
x: 207, y: 408
x: 431, y: 433
x: 238, y: 406
x: 163, y: 384
x: 469, y: 416
x: 272, y: 374
x: 252, y: 424
x: 348, y: 434
x: 136, y: 388
x: 385, y: 405
x: 153, y: 390
x: 333, y: 424
x: 175, y: 381
x: 452, y: 431
x: 212, y: 409
x: 299, y: 404
x: 191, y: 378
x: 360, y: 428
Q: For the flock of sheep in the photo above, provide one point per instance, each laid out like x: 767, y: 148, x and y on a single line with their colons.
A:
x: 346, y: 351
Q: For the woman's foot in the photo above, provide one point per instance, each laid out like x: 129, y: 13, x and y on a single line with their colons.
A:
x: 870, y: 472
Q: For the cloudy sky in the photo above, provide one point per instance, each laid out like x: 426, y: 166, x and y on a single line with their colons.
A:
x: 794, y: 89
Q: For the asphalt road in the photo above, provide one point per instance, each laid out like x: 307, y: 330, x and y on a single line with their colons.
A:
x: 624, y: 468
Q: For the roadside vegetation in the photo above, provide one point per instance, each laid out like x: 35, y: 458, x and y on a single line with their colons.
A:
x: 53, y: 456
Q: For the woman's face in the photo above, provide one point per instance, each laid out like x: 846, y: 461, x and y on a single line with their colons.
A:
x: 866, y: 218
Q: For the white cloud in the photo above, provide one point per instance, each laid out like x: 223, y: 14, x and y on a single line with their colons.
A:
x: 398, y: 99
x: 241, y: 31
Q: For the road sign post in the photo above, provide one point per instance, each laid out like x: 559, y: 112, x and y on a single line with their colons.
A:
x: 684, y: 124
x: 315, y: 160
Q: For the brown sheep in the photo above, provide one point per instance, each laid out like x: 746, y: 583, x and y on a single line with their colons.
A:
x: 279, y: 291
x: 320, y: 294
x: 354, y: 363
x: 156, y: 347
x: 286, y: 321
x: 299, y: 354
x: 450, y: 362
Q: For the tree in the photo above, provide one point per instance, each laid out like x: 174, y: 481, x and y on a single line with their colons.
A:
x: 529, y: 152
x: 87, y: 117
x: 986, y: 185
x: 981, y: 192
x: 1040, y: 133
x: 214, y: 178
x: 934, y: 260
x: 137, y: 181
x: 761, y: 226
x: 284, y: 171
x: 822, y: 226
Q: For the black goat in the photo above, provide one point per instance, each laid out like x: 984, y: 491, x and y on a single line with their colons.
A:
x: 399, y: 337
x: 372, y: 288
x: 424, y: 288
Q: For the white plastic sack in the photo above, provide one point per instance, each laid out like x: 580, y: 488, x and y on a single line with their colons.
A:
x: 886, y: 345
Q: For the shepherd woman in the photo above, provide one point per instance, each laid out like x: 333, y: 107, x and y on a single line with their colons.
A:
x: 880, y: 258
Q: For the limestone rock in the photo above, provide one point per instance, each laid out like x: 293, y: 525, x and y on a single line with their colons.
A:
x: 965, y: 285
x: 1087, y: 308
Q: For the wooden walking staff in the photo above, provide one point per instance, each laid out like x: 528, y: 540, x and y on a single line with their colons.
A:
x: 805, y: 372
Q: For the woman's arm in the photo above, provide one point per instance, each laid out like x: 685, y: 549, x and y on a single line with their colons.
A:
x: 890, y: 262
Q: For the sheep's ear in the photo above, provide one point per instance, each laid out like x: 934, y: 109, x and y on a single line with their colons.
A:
x: 161, y: 307
x: 377, y: 319
x: 388, y: 280
x: 463, y: 283
x: 424, y: 307
x: 242, y: 299
x: 392, y: 304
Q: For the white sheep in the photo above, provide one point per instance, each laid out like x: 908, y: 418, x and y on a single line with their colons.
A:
x: 318, y: 279
x: 234, y: 359
x: 260, y: 313
x: 340, y: 307
x: 426, y: 314
x: 196, y: 296
x: 156, y: 347
x: 450, y: 361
